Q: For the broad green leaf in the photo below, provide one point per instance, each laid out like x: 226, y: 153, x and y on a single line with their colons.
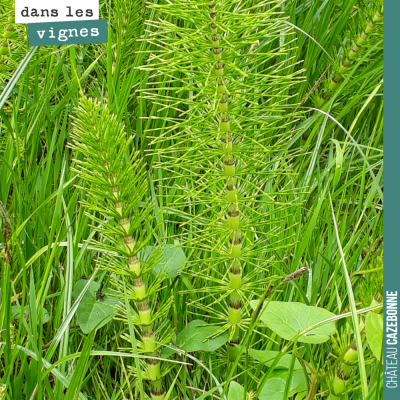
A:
x: 194, y: 337
x: 46, y: 316
x: 267, y: 357
x: 166, y: 352
x: 92, y: 312
x: 236, y: 391
x: 172, y: 261
x: 274, y: 387
x: 289, y: 319
x: 374, y: 331
x: 15, y: 312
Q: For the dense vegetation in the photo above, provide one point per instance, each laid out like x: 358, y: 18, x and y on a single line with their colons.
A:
x: 194, y: 209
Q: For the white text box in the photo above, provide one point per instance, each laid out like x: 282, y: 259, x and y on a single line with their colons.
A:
x: 31, y: 11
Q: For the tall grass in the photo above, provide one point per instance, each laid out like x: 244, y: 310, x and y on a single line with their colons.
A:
x: 223, y: 137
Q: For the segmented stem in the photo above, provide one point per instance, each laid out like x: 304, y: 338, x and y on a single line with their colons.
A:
x: 2, y: 391
x: 343, y: 373
x: 7, y: 36
x: 349, y: 359
x: 233, y: 217
x: 350, y: 57
x: 142, y: 300
x: 118, y: 185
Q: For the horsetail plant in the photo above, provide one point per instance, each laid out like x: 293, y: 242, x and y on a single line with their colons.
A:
x: 348, y: 363
x: 221, y: 71
x: 233, y: 217
x: 343, y: 370
x: 2, y: 390
x: 115, y: 180
x: 351, y: 55
x: 7, y: 35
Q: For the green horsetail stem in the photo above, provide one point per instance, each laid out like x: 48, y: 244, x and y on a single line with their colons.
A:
x: 233, y: 212
x: 7, y: 35
x: 142, y: 301
x: 4, y: 48
x: 377, y: 299
x: 91, y: 138
x: 2, y: 391
x: 350, y: 57
x: 343, y: 373
x: 349, y: 359
x: 11, y: 18
x: 9, y: 32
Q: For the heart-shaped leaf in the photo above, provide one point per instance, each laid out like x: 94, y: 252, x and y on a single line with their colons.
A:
x: 374, y: 331
x: 289, y: 319
x: 236, y: 391
x: 274, y: 387
x: 267, y: 357
x: 172, y: 261
x: 194, y: 337
x: 15, y: 312
x: 93, y: 312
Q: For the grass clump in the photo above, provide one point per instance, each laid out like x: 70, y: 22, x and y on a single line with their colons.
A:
x: 169, y: 198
